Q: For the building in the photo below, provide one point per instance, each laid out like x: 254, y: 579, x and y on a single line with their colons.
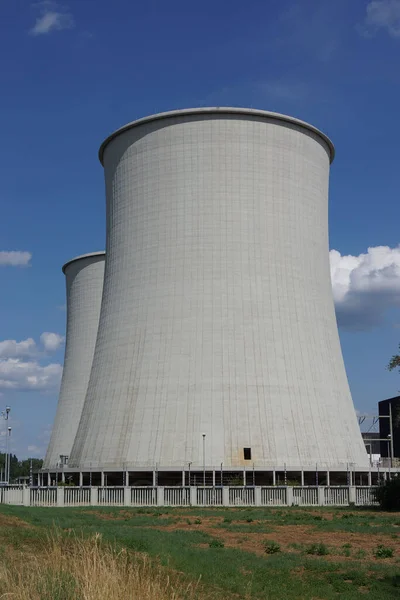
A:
x: 372, y: 442
x: 84, y: 277
x: 389, y: 419
x: 217, y: 345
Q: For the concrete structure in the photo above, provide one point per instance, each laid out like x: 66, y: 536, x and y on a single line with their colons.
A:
x: 217, y: 339
x: 84, y: 277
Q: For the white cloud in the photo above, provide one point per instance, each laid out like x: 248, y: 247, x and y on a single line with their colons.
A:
x: 28, y: 348
x: 365, y: 286
x: 382, y: 14
x: 21, y: 365
x: 12, y: 348
x: 52, y: 17
x: 16, y: 374
x: 51, y: 341
x: 15, y: 258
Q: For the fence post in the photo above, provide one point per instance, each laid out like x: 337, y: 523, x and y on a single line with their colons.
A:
x: 321, y: 495
x: 160, y: 496
x: 225, y: 496
x: 352, y: 494
x: 193, y: 496
x: 94, y: 497
x: 26, y: 496
x: 60, y: 495
x: 127, y: 496
x: 257, y: 496
x: 289, y: 496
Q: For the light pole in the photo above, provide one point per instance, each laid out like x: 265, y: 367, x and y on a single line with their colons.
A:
x: 8, y: 454
x: 389, y: 450
x: 204, y: 460
x: 4, y: 414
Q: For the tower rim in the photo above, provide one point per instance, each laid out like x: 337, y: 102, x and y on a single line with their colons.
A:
x: 219, y: 110
x: 81, y: 257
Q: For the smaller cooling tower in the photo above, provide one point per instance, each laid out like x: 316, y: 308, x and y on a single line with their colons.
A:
x: 84, y: 280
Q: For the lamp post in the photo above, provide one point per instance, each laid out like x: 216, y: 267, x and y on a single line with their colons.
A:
x: 8, y: 455
x: 4, y: 414
x: 389, y: 450
x: 204, y: 460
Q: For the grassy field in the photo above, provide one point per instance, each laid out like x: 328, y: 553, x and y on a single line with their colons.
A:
x: 310, y: 554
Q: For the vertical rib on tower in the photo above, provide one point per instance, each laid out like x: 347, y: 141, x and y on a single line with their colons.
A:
x: 84, y: 277
x: 217, y: 315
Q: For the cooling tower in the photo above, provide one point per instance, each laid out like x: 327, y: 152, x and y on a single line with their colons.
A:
x: 217, y: 317
x: 84, y: 281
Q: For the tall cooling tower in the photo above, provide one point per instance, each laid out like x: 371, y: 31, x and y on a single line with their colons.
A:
x: 217, y: 315
x: 84, y: 281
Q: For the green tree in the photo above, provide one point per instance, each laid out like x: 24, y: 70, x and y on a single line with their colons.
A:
x: 20, y: 468
x: 394, y: 362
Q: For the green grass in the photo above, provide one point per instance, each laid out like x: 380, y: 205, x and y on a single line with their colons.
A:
x: 286, y: 574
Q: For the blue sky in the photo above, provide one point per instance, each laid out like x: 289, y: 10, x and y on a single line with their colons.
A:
x: 73, y: 72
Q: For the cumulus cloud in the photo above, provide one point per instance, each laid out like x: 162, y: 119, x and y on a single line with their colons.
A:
x: 52, y: 17
x: 51, y: 341
x: 16, y: 374
x: 365, y: 286
x: 12, y: 348
x: 21, y: 365
x: 28, y: 348
x: 382, y: 14
x: 15, y: 258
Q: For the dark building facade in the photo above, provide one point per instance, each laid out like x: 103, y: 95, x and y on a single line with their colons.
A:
x: 372, y: 443
x: 384, y: 426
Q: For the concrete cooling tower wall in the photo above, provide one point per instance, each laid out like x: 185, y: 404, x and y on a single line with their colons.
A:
x: 84, y: 277
x: 217, y: 316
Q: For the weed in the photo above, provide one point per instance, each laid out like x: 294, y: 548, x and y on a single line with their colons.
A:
x: 296, y: 546
x: 272, y: 548
x: 197, y: 521
x: 249, y: 520
x: 382, y: 551
x: 360, y: 554
x: 227, y: 520
x: 317, y: 549
x: 188, y: 521
x: 216, y: 544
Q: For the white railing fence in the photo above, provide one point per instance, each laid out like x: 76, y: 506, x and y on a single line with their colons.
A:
x: 189, y: 496
x: 143, y: 496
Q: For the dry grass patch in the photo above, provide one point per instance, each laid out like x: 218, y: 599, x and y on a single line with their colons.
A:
x: 71, y: 567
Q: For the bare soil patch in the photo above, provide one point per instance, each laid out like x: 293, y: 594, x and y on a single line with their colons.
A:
x: 11, y: 521
x: 286, y: 536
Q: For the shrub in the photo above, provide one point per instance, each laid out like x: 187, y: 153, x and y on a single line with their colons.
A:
x: 388, y: 494
x: 216, y: 544
x: 272, y: 548
x: 382, y: 551
x: 317, y: 549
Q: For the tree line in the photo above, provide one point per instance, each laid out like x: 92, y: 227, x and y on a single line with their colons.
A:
x: 19, y: 468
